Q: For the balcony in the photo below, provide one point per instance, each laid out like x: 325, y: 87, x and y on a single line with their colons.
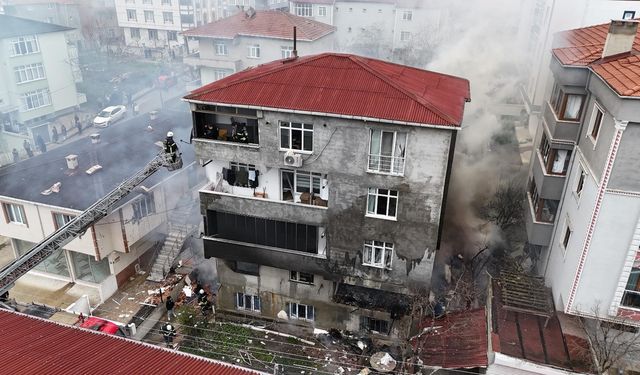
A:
x: 550, y: 185
x: 195, y: 60
x: 538, y: 232
x: 392, y: 165
x: 560, y: 129
x: 263, y: 202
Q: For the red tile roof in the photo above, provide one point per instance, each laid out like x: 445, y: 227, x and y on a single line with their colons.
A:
x: 583, y: 47
x: 36, y: 346
x: 266, y: 23
x: 458, y: 340
x: 523, y: 335
x: 345, y: 85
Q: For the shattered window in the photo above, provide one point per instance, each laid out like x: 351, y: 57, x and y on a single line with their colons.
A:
x: 247, y: 302
x: 60, y: 219
x: 374, y: 325
x: 301, y: 277
x: 377, y: 254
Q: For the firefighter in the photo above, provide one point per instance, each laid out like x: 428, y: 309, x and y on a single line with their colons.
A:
x: 170, y: 147
x: 203, y: 302
x: 168, y: 333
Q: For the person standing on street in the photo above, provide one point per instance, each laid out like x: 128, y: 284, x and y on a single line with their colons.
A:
x: 63, y: 131
x: 40, y: 143
x: 170, y: 304
x: 27, y: 148
x: 16, y: 156
x: 54, y: 134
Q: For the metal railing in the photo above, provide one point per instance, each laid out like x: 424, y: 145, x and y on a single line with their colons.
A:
x: 386, y: 164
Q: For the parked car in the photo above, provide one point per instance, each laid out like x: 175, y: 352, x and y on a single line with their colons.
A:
x: 109, y: 115
x: 102, y: 325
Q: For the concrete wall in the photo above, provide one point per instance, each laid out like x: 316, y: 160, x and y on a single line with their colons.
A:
x: 625, y: 169
x: 341, y: 148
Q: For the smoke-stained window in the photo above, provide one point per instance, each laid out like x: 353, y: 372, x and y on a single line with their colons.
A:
x: 301, y: 277
x: 143, y: 207
x: 374, y: 325
x: 153, y: 34
x: 377, y: 254
x: 172, y: 36
x: 382, y: 203
x: 25, y: 45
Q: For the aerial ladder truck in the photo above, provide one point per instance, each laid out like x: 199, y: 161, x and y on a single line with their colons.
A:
x: 170, y: 158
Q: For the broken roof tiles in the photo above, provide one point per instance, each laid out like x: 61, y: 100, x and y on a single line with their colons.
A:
x: 345, y: 86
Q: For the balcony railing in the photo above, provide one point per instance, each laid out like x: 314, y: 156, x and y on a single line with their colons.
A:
x: 386, y: 164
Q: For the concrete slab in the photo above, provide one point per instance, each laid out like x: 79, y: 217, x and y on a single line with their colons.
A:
x: 50, y: 292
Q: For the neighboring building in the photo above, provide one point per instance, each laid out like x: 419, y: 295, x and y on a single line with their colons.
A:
x: 328, y: 176
x: 57, y: 12
x: 254, y: 37
x: 108, y: 253
x: 544, y: 18
x: 155, y: 25
x: 584, y: 193
x: 37, y: 79
x: 99, y: 24
x: 380, y: 28
x: 227, y: 8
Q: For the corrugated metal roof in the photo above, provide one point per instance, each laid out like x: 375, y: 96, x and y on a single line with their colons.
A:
x: 584, y: 46
x: 37, y: 346
x: 345, y: 84
x: 264, y: 23
x: 458, y: 340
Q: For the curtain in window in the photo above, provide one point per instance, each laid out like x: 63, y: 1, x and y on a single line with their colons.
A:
x: 558, y: 163
x: 374, y: 150
x: 572, y: 108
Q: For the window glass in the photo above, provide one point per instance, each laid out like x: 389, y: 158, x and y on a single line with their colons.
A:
x: 88, y: 269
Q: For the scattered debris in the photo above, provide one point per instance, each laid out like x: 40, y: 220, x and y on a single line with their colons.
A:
x: 55, y: 188
x: 94, y: 169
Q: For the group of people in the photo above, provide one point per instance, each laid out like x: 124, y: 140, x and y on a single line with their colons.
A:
x: 41, y: 145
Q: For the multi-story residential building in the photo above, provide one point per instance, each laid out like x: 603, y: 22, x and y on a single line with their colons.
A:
x: 37, y: 79
x: 328, y: 176
x: 58, y: 12
x: 99, y: 24
x: 541, y: 19
x: 385, y: 29
x: 41, y: 194
x: 227, y: 8
x: 254, y: 37
x: 584, y: 194
x: 155, y: 25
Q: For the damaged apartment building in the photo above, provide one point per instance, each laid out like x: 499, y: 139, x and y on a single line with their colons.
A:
x: 327, y: 181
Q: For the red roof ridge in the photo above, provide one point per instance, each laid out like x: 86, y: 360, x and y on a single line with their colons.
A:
x: 424, y: 102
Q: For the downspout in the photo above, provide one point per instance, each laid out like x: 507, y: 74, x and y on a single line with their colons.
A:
x: 604, y: 181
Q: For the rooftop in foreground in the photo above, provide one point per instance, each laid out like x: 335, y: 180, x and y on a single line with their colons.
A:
x: 37, y: 346
x: 16, y: 26
x: 344, y: 85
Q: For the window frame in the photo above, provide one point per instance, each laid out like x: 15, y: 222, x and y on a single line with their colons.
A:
x: 407, y: 15
x: 154, y: 36
x: 254, y: 301
x: 395, y: 144
x: 295, y: 276
x: 308, y: 308
x: 221, y: 49
x: 137, y: 32
x: 165, y: 2
x: 303, y: 9
x: 632, y: 286
x: 548, y: 154
x: 566, y: 235
x: 134, y: 13
x: 165, y: 18
x: 579, y: 187
x: 322, y: 11
x: 558, y: 102
x: 172, y: 36
x: 304, y: 129
x: 253, y: 51
x: 595, y: 123
x: 21, y: 73
x: 538, y: 204
x: 405, y: 36
x: 9, y: 210
x: 386, y: 250
x: 33, y: 100
x: 315, y: 179
x: 25, y: 45
x: 375, y: 192
x: 366, y: 323
x: 66, y: 218
x: 153, y: 17
x: 146, y: 206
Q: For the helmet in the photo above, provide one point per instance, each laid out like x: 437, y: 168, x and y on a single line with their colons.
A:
x: 201, y: 291
x: 169, y: 327
x: 170, y: 134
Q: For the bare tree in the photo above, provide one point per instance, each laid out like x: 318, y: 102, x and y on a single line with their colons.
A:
x: 611, y: 342
x: 506, y: 206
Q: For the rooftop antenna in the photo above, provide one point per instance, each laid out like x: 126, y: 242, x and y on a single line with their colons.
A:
x: 295, y: 50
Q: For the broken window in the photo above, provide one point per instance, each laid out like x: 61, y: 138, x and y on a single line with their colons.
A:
x: 247, y: 302
x: 296, y: 136
x: 301, y: 277
x: 374, y: 325
x: 87, y: 268
x: 631, y: 296
x: 300, y: 311
x: 387, y: 151
x: 302, y: 187
x: 567, y: 236
x: 382, y: 203
x: 60, y: 219
x: 580, y: 183
x: 377, y: 254
x: 14, y: 213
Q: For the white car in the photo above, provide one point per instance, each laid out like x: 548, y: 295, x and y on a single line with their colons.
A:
x: 109, y: 115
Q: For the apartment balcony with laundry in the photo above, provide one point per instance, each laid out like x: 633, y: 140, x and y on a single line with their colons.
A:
x: 290, y: 194
x: 271, y: 242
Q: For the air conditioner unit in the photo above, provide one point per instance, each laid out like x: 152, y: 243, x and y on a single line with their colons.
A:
x: 292, y: 159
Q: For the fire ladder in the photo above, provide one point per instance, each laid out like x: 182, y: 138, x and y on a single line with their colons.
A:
x: 82, y: 222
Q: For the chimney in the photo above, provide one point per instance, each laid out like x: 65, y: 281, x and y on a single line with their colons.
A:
x: 620, y: 38
x: 295, y: 43
x: 72, y: 161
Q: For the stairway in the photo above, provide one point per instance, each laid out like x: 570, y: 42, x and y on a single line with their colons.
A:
x: 180, y: 227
